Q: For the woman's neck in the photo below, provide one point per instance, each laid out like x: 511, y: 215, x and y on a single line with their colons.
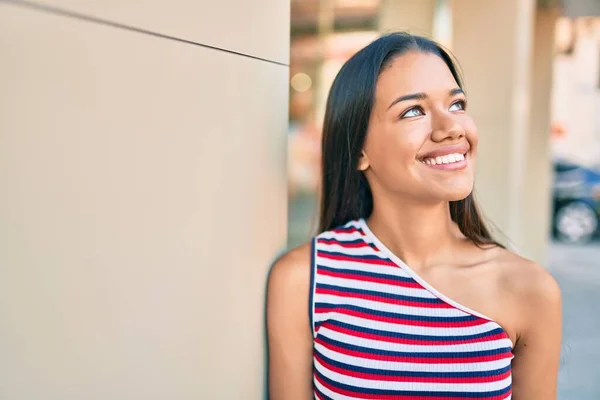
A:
x: 418, y: 233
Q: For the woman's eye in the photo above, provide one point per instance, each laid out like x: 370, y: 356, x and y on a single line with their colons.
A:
x: 413, y: 112
x: 458, y: 106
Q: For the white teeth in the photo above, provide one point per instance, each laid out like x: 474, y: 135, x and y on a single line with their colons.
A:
x: 446, y: 159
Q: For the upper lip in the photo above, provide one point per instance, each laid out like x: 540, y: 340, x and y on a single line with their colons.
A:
x: 443, y: 151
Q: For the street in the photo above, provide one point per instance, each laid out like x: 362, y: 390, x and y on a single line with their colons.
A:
x: 577, y: 269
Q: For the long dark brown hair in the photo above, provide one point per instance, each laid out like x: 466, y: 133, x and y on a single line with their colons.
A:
x: 345, y: 192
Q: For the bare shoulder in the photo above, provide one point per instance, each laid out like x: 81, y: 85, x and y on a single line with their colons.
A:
x: 528, y: 282
x: 289, y: 333
x: 288, y: 288
x: 291, y: 271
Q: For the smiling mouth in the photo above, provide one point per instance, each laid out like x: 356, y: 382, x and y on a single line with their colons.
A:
x: 452, y: 158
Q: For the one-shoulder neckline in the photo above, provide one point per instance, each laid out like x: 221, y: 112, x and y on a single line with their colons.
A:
x: 403, y: 266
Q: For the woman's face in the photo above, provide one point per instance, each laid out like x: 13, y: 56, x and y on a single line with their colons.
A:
x: 421, y: 143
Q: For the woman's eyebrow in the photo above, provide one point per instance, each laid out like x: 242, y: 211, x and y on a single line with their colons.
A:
x: 421, y: 96
x: 412, y: 96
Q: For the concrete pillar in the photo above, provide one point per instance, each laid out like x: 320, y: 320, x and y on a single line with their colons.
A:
x: 493, y: 43
x: 538, y: 178
x: 417, y: 17
x: 143, y: 196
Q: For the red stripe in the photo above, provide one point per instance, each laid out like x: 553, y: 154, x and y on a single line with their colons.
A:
x: 416, y: 379
x: 412, y: 360
x: 382, y: 299
x: 347, y: 230
x: 398, y: 320
x: 385, y: 262
x: 345, y: 244
x: 401, y: 340
x: 397, y: 396
x: 349, y: 275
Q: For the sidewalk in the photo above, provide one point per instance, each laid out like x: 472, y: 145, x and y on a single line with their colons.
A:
x: 577, y: 269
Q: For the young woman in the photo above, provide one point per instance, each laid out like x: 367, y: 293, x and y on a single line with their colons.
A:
x: 404, y: 294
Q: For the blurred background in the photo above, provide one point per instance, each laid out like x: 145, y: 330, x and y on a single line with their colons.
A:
x: 155, y: 157
x: 532, y: 73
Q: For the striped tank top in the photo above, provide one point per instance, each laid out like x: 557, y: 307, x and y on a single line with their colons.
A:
x: 382, y: 332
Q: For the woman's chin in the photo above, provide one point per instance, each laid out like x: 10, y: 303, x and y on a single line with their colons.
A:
x: 458, y: 198
x: 457, y: 194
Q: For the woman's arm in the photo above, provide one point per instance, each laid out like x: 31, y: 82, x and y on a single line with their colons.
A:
x: 288, y: 327
x: 537, y: 351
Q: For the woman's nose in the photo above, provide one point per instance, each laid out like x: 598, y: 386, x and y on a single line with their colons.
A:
x: 446, y: 127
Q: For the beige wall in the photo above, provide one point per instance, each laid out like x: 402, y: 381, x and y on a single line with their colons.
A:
x: 537, y: 198
x: 416, y: 17
x: 142, y: 197
x: 493, y: 42
x: 510, y: 96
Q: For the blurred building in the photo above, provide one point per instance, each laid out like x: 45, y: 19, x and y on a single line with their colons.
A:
x: 576, y: 91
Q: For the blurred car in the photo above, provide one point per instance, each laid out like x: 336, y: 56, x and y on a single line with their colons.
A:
x: 576, y: 202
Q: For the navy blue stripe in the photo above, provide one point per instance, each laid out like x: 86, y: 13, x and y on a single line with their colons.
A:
x: 354, y: 256
x: 333, y: 241
x: 322, y: 395
x: 467, y: 318
x: 399, y: 335
x: 312, y: 285
x: 343, y: 229
x: 414, y: 354
x: 399, y: 297
x: 466, y: 395
x: 318, y: 325
x: 413, y: 374
x: 368, y: 274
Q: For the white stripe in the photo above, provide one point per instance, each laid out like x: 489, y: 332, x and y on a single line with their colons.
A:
x: 410, y: 329
x: 354, y: 223
x: 313, y: 286
x: 354, y: 251
x: 387, y: 307
x: 413, y: 386
x: 374, y: 286
x: 342, y: 237
x: 407, y: 348
x: 361, y: 266
x: 411, y: 367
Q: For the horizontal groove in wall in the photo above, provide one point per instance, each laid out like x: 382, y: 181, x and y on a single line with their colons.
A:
x: 87, y: 18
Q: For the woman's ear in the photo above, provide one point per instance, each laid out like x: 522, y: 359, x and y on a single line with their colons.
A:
x: 363, y: 162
